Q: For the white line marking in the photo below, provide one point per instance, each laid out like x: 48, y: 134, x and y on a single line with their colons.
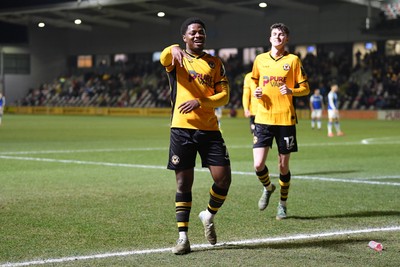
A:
x: 305, y: 177
x: 252, y: 241
x: 85, y: 162
x: 110, y: 164
x: 83, y: 151
x: 380, y: 177
x: 368, y: 141
x: 356, y: 181
x: 311, y: 236
x: 380, y: 140
x: 200, y: 246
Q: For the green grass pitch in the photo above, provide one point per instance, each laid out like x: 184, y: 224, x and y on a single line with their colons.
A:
x: 95, y: 191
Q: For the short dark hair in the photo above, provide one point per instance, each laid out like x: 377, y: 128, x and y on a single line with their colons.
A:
x: 189, y: 21
x: 280, y: 26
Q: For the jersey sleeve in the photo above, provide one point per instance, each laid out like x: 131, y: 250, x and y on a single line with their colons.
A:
x: 255, y: 73
x: 221, y: 88
x: 246, y: 91
x: 166, y: 58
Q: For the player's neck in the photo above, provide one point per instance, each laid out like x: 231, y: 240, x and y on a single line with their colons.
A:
x: 277, y: 52
x: 194, y: 53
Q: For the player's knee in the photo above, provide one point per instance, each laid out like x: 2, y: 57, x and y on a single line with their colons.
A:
x: 183, y: 185
x: 223, y: 181
x: 259, y: 166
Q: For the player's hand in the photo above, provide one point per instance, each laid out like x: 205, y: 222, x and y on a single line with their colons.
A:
x: 188, y: 106
x: 258, y: 93
x: 247, y: 113
x: 285, y: 90
x: 177, y: 55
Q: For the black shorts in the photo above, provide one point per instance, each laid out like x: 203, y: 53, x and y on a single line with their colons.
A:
x: 285, y: 137
x: 185, y: 143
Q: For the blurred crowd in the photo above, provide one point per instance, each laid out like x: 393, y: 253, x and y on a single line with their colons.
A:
x: 372, y: 83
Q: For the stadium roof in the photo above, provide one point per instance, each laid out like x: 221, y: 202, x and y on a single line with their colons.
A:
x: 124, y: 13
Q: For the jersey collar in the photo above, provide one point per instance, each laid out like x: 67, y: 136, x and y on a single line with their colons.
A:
x: 194, y: 56
x: 278, y: 58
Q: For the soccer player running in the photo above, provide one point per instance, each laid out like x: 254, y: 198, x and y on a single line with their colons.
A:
x: 249, y: 102
x: 198, y: 85
x: 316, y: 107
x: 333, y: 111
x: 279, y: 76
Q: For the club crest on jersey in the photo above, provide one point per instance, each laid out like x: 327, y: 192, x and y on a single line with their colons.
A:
x: 286, y: 67
x: 211, y: 64
x: 175, y: 160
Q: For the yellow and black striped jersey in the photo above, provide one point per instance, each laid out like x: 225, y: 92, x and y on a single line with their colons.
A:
x: 269, y: 73
x: 202, y: 78
x: 249, y: 101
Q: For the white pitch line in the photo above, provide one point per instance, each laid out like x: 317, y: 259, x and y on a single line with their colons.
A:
x: 200, y: 246
x: 83, y: 151
x: 84, y: 162
x: 368, y: 141
x: 110, y: 164
x: 380, y: 140
x: 311, y: 236
x: 305, y: 177
x: 356, y: 181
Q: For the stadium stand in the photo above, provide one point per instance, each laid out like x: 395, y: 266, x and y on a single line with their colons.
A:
x: 371, y: 84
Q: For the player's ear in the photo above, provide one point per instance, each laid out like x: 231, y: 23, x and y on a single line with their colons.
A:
x: 184, y: 38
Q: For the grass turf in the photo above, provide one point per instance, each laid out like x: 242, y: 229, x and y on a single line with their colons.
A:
x: 74, y: 186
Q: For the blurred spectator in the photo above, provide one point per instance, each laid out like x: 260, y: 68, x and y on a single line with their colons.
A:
x: 373, y: 83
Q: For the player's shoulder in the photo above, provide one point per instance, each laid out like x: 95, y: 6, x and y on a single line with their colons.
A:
x: 210, y: 58
x: 265, y: 55
x: 262, y: 58
x: 213, y: 62
x: 292, y: 56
